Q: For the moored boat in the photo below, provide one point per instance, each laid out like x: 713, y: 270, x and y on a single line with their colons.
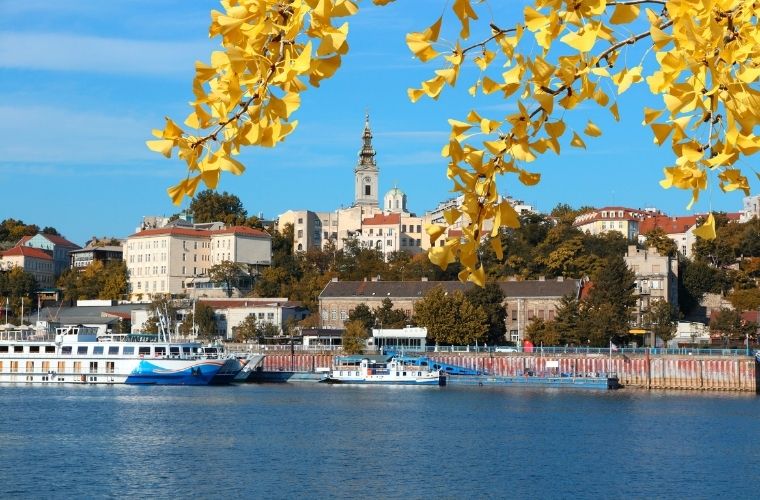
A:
x: 382, y: 370
x: 77, y: 355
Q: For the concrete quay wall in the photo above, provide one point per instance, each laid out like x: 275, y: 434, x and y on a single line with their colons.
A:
x: 710, y: 373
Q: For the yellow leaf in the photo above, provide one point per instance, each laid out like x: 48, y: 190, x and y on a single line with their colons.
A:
x: 441, y: 256
x: 722, y: 159
x: 451, y: 215
x: 434, y: 231
x: 490, y: 86
x: 487, y: 126
x: 592, y: 130
x: 508, y: 216
x: 692, y: 151
x: 577, y: 141
x: 659, y: 37
x: 463, y: 10
x: 163, y: 146
x: 433, y: 87
x: 748, y: 74
x: 615, y: 112
x: 661, y: 132
x: 624, y: 14
x: 707, y: 230
x: 555, y: 129
x: 478, y: 277
x: 458, y: 128
x: 415, y: 94
x: 229, y: 165
x: 650, y: 115
x: 421, y: 47
x: 496, y: 245
x: 534, y: 20
x: 582, y: 40
x: 529, y: 178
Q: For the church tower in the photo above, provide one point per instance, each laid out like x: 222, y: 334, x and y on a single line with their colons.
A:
x: 366, y: 172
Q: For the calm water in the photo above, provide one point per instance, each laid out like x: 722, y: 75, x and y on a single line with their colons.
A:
x: 318, y: 441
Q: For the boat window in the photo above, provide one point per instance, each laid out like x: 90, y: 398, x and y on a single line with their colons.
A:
x: 161, y: 351
x: 49, y: 348
x: 113, y: 350
x: 82, y: 350
x: 185, y: 350
x: 98, y: 349
x: 3, y: 348
x: 174, y: 350
x: 34, y: 348
x: 128, y: 350
x: 66, y: 350
x: 144, y: 350
x: 18, y: 348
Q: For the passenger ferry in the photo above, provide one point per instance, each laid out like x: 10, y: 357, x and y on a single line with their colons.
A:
x: 76, y: 354
x: 382, y: 370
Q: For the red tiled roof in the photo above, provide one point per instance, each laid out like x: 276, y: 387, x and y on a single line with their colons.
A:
x: 60, y: 240
x: 243, y: 230
x: 171, y: 231
x: 35, y: 253
x: 379, y: 219
x: 671, y: 225
x: 628, y: 214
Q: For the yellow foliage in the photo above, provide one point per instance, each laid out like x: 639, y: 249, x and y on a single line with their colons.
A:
x: 701, y: 59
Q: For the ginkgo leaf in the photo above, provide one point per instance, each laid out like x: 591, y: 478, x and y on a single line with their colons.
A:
x: 529, y: 178
x: 707, y: 230
x: 592, y: 130
x: 434, y: 231
x: 624, y: 14
x: 583, y: 39
x: 163, y: 146
x: 577, y: 141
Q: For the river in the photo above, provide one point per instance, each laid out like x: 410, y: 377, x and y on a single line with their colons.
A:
x: 320, y: 441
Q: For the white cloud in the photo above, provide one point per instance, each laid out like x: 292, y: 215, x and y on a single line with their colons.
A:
x: 68, y: 52
x: 42, y: 134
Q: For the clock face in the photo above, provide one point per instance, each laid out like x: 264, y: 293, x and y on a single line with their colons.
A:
x: 367, y: 179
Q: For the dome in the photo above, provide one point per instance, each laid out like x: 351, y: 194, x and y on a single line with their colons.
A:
x: 394, y: 200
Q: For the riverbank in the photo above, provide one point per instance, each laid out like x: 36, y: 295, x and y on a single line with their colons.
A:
x: 668, y: 371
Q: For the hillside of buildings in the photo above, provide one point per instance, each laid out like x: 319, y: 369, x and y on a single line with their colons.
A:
x: 583, y: 246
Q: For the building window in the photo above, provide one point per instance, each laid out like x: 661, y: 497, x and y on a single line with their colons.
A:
x: 300, y: 220
x: 334, y: 314
x: 367, y: 190
x: 389, y: 243
x: 300, y: 233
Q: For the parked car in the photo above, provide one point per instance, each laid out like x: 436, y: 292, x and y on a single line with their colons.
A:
x: 505, y: 348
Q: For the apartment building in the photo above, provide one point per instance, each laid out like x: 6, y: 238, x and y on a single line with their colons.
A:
x: 39, y: 263
x: 160, y: 261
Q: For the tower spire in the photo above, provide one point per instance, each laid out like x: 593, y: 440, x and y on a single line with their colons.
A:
x: 367, y: 153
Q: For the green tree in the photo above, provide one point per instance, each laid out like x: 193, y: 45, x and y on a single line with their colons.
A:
x: 203, y: 319
x: 568, y: 320
x: 745, y: 300
x: 363, y: 314
x: 354, y: 337
x: 661, y: 321
x: 210, y: 206
x: 613, y: 288
x: 115, y: 280
x: 388, y: 317
x: 731, y: 327
x: 658, y: 239
x: 266, y: 330
x: 227, y: 274
x: 698, y: 278
x: 451, y: 319
x: 541, y: 332
x: 490, y: 298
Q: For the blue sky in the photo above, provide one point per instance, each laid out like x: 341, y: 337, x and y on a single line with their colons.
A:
x: 82, y: 83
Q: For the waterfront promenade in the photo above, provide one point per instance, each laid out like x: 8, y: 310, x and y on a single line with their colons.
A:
x: 702, y: 372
